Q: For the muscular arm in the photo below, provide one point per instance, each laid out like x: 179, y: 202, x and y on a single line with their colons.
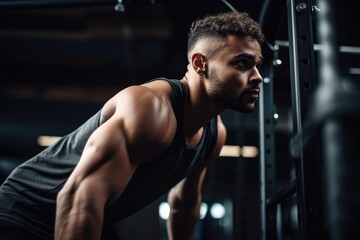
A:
x: 107, y: 165
x: 103, y: 172
x: 185, y: 201
x: 185, y: 198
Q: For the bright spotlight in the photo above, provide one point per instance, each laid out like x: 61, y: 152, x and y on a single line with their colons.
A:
x: 217, y: 210
x: 164, y: 210
x: 203, y: 210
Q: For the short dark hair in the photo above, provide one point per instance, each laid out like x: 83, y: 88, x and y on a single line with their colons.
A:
x: 224, y: 24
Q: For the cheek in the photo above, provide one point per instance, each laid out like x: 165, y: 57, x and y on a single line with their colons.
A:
x: 233, y: 80
x: 237, y: 82
x: 231, y: 77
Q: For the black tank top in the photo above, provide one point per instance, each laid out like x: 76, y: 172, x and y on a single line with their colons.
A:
x: 28, y: 196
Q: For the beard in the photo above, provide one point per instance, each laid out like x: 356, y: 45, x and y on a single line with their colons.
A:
x: 222, y: 94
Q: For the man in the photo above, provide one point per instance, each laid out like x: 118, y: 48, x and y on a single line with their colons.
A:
x: 147, y: 140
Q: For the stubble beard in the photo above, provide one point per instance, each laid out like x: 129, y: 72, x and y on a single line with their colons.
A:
x: 220, y: 93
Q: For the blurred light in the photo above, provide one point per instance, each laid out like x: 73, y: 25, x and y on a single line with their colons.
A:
x: 237, y: 151
x: 266, y: 80
x: 277, y: 62
x: 230, y: 151
x: 164, y: 210
x: 294, y: 216
x: 349, y: 49
x: 217, y: 211
x: 276, y: 116
x: 355, y: 71
x: 46, y: 141
x: 249, y: 151
x: 203, y: 210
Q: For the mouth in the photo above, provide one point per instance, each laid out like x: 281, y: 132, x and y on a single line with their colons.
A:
x: 254, y: 92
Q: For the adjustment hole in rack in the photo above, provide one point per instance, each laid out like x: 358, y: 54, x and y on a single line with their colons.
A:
x: 304, y: 38
x: 307, y: 85
x: 305, y: 61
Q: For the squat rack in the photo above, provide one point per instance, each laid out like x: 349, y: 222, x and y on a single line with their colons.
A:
x: 325, y: 116
x: 307, y: 183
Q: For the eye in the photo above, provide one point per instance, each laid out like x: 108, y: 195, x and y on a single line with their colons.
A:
x: 243, y: 64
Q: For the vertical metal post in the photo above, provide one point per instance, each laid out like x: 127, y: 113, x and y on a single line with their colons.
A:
x: 239, y: 209
x: 342, y: 165
x: 303, y: 82
x: 268, y: 216
x: 340, y: 131
x: 239, y: 206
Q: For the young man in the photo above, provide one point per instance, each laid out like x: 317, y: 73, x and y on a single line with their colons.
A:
x: 147, y: 140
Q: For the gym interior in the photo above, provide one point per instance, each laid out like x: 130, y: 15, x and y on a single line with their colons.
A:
x: 288, y: 171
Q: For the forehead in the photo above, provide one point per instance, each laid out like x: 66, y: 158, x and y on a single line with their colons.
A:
x: 235, y: 45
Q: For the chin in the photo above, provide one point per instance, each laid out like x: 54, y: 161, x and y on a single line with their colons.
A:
x: 243, y: 109
x: 244, y: 105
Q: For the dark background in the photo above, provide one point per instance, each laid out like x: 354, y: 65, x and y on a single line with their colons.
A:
x: 61, y: 60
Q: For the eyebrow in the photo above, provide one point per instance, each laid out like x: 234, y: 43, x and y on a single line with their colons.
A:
x: 250, y: 56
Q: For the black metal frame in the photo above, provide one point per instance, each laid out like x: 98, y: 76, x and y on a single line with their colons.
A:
x: 26, y: 4
x: 338, y: 127
x: 119, y: 5
x: 268, y: 218
x: 303, y: 85
x: 308, y: 181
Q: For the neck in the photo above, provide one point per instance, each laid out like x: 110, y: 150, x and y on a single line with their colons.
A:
x: 199, y: 108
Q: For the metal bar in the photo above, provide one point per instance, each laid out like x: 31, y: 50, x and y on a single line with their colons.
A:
x: 342, y: 178
x: 317, y: 47
x: 239, y: 209
x: 52, y: 3
x: 303, y: 82
x: 281, y: 195
x: 269, y: 228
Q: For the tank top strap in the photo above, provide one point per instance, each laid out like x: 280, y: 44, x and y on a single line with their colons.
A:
x: 178, y: 98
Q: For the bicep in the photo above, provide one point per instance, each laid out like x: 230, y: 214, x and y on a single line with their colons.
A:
x: 132, y: 134
x: 104, y: 167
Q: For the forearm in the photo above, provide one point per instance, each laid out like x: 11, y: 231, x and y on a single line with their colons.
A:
x: 185, y: 201
x: 183, y: 220
x: 79, y: 226
x: 77, y: 218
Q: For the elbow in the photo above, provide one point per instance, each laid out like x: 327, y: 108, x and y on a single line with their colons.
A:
x: 178, y: 203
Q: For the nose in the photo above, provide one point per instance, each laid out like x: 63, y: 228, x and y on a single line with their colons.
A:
x: 256, y: 76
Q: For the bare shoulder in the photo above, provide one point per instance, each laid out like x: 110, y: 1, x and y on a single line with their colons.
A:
x: 146, y: 117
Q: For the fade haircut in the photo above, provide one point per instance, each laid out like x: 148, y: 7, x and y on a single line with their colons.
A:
x: 223, y: 24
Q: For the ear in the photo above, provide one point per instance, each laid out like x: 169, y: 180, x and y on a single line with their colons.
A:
x: 198, y: 62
